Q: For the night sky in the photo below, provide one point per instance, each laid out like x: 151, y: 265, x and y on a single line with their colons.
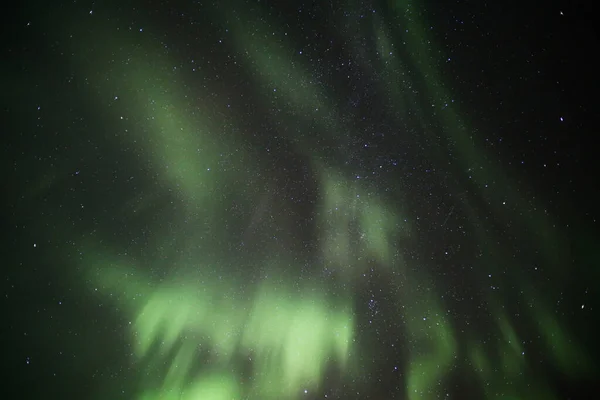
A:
x: 287, y: 200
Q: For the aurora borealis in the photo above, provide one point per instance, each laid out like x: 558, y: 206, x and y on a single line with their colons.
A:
x: 253, y: 200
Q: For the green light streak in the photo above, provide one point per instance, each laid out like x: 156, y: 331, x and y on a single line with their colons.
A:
x: 291, y: 338
x: 292, y: 335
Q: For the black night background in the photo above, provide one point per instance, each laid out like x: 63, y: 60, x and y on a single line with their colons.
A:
x: 300, y: 200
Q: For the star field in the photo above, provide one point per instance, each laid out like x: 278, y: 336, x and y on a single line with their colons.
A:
x: 271, y: 200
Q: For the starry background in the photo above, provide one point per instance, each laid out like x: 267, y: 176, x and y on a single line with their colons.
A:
x: 420, y: 171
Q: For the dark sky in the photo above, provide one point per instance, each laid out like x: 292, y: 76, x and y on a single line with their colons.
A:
x: 341, y: 200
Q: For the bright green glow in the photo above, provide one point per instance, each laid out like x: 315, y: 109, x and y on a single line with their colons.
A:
x: 293, y: 338
x: 213, y: 386
x: 291, y: 335
x: 218, y: 387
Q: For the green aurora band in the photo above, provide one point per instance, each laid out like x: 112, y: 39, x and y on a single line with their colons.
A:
x: 290, y: 333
